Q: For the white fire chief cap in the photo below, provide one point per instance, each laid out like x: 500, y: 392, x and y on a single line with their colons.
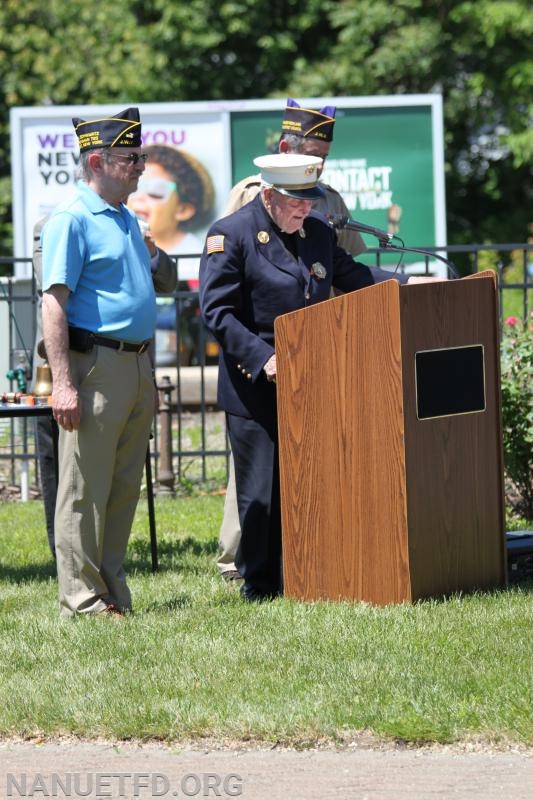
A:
x: 292, y: 174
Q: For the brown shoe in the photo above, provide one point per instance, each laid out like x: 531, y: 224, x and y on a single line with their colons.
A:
x: 111, y: 611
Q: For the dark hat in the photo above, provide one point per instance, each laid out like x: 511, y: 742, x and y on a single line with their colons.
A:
x: 291, y: 174
x: 307, y: 122
x: 122, y: 130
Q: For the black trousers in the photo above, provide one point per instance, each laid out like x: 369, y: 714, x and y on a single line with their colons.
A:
x: 45, y: 431
x: 255, y: 453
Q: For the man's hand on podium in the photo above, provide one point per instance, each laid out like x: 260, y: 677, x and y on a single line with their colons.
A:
x: 270, y: 369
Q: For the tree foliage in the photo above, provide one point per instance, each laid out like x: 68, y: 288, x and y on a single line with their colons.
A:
x: 477, y: 54
x: 62, y: 53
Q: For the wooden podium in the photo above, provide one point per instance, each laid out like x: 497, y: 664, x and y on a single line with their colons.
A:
x: 390, y: 443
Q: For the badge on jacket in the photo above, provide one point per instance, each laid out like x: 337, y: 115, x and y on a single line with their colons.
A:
x: 318, y: 270
x: 263, y: 237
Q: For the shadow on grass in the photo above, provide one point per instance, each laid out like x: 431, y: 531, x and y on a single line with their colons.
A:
x: 175, y: 554
x: 172, y: 555
x: 164, y: 606
x: 28, y: 572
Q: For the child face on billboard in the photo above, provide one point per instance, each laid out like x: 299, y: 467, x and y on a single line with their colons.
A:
x: 157, y: 202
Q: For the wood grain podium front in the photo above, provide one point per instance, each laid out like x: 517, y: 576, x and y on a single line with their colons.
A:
x: 390, y: 443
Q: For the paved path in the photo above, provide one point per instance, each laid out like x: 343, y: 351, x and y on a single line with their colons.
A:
x: 358, y: 773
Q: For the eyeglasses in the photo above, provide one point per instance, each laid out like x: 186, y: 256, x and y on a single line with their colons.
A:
x: 132, y: 158
x: 157, y: 189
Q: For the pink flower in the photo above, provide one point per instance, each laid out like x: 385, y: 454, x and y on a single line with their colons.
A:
x: 511, y: 320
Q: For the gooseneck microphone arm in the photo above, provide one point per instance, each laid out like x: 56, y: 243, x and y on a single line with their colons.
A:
x: 385, y: 238
x: 451, y: 266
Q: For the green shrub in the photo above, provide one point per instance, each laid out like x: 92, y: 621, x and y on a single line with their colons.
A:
x: 513, y: 299
x: 517, y: 408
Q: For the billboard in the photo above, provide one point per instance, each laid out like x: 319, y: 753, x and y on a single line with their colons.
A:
x: 45, y: 161
x: 387, y: 159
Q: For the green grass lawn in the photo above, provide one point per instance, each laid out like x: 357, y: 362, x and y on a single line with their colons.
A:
x: 195, y: 661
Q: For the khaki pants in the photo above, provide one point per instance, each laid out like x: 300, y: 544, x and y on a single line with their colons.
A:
x: 229, y: 536
x: 100, y: 471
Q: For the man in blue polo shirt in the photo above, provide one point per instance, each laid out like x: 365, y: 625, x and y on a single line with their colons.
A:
x: 98, y: 318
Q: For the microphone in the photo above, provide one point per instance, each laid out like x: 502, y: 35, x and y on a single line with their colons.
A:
x: 340, y: 222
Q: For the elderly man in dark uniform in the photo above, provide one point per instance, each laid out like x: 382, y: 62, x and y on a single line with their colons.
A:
x: 308, y: 131
x: 272, y: 256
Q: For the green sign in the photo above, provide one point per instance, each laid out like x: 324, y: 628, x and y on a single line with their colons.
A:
x: 386, y: 161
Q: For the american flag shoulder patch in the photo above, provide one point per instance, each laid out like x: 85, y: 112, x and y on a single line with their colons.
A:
x: 215, y: 244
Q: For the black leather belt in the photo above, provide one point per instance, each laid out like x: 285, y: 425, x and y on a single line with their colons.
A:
x: 83, y: 341
x: 117, y: 344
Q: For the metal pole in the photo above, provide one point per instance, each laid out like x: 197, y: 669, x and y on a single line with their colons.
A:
x: 165, y: 475
x: 151, y: 510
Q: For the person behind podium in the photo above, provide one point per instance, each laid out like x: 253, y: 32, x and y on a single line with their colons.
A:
x: 272, y: 256
x: 308, y: 131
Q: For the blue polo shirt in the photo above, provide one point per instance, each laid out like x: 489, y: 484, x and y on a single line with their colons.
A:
x: 99, y: 253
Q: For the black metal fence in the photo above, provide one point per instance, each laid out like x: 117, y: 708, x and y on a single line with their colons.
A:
x: 189, y: 447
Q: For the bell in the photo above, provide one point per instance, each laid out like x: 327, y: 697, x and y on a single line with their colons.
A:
x: 43, y: 381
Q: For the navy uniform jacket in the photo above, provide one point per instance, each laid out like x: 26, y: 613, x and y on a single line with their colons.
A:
x: 248, y: 278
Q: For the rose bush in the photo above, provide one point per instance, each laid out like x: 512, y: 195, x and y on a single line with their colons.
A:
x: 517, y: 409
